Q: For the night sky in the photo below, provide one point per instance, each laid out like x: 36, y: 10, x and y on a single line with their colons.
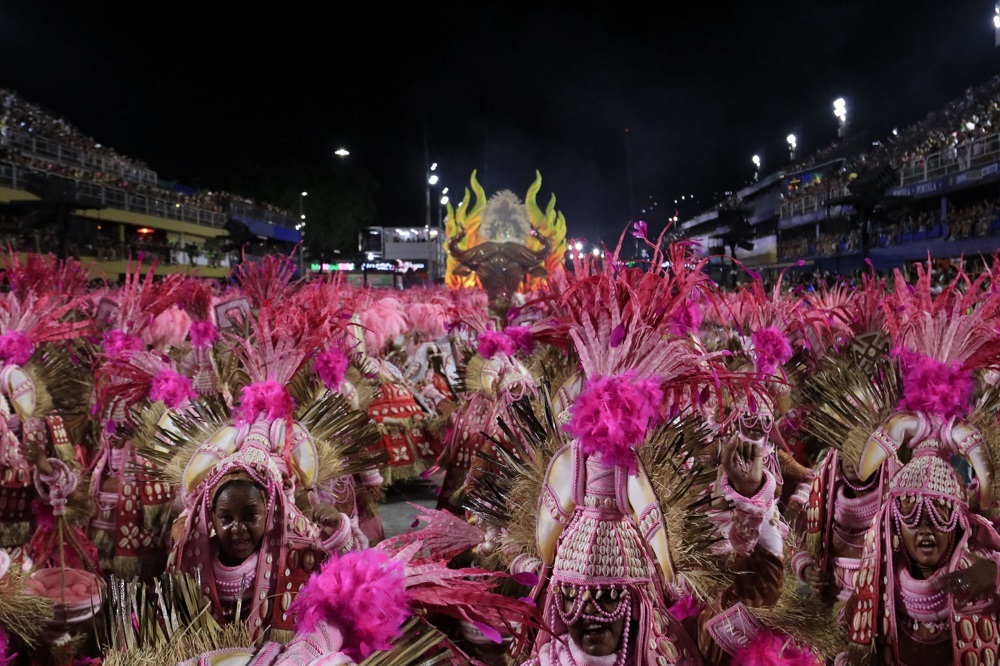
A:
x: 205, y: 88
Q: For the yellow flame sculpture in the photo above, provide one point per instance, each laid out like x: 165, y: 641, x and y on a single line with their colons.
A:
x: 469, y: 218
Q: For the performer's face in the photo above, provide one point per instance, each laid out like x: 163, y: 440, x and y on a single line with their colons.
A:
x: 927, y: 546
x: 239, y: 514
x: 594, y: 637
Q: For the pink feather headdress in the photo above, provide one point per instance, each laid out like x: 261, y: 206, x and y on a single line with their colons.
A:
x: 266, y: 281
x: 361, y: 594
x: 942, y: 339
x: 611, y: 415
x: 141, y: 298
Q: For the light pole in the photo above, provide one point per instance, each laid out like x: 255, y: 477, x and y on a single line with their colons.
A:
x: 840, y: 112
x: 792, y: 143
x: 300, y: 226
x: 432, y: 258
x: 756, y: 167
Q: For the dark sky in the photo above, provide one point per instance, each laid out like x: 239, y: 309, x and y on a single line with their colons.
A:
x: 197, y: 89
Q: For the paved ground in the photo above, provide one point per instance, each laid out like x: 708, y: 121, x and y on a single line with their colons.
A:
x: 397, y: 514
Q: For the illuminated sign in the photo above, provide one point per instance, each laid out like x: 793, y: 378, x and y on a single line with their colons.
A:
x: 398, y: 266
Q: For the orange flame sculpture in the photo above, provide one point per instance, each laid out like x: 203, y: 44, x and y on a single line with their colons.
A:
x: 503, y: 219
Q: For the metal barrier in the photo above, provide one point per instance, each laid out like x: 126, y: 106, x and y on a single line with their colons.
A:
x: 18, y: 177
x: 67, y: 156
x: 810, y: 202
x: 978, y: 153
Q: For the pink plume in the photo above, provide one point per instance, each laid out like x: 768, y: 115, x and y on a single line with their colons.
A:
x: 268, y: 397
x: 770, y: 649
x: 522, y: 338
x: 362, y: 594
x: 686, y: 607
x: 771, y: 349
x: 16, y: 347
x: 330, y: 366
x: 427, y: 319
x: 117, y: 342
x: 612, y: 414
x: 934, y: 387
x: 490, y: 343
x: 171, y: 389
x: 203, y: 334
x: 382, y: 322
x: 686, y: 319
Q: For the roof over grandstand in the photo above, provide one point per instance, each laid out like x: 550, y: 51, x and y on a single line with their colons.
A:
x: 616, y: 108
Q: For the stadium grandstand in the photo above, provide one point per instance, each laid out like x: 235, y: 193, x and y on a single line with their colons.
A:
x: 65, y: 193
x: 930, y: 189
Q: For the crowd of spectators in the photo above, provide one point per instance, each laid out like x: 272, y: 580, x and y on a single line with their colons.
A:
x: 83, y: 159
x: 832, y: 185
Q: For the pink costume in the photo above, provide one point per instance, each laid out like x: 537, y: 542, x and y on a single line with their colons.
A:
x: 899, y: 619
x: 839, y: 511
x: 33, y: 313
x: 132, y: 509
x: 291, y: 549
x: 604, y: 546
x: 495, y: 380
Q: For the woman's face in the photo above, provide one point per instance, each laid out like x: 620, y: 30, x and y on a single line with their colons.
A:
x: 238, y: 516
x: 595, y: 638
x: 927, y: 547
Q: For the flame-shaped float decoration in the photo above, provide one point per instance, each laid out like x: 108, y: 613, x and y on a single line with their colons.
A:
x: 501, y: 244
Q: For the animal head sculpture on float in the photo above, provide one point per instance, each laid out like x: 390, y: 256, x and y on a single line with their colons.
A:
x: 503, y: 244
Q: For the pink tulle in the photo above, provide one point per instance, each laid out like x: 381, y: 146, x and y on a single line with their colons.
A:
x: 770, y: 649
x: 490, y: 343
x: 16, y: 347
x: 330, y: 367
x: 203, y: 334
x: 171, y: 389
x: 522, y: 338
x: 611, y: 416
x: 362, y: 594
x: 771, y: 349
x: 268, y: 397
x: 117, y: 342
x: 933, y: 387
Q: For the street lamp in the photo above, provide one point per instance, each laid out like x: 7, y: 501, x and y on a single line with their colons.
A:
x: 341, y: 152
x: 840, y: 112
x: 302, y: 234
x: 756, y: 165
x: 792, y: 143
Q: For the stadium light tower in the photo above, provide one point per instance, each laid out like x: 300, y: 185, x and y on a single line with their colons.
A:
x: 792, y: 144
x: 996, y: 24
x: 756, y: 166
x: 840, y: 111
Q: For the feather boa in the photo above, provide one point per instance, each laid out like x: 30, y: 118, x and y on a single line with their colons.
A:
x: 771, y: 348
x: 934, y: 387
x: 612, y: 414
x: 268, y: 397
x: 330, y: 367
x: 770, y: 649
x: 522, y: 338
x: 491, y: 343
x: 16, y: 347
x: 171, y: 388
x: 362, y: 594
x: 117, y: 342
x: 203, y: 334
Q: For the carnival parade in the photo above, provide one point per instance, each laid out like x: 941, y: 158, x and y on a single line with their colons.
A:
x: 753, y: 427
